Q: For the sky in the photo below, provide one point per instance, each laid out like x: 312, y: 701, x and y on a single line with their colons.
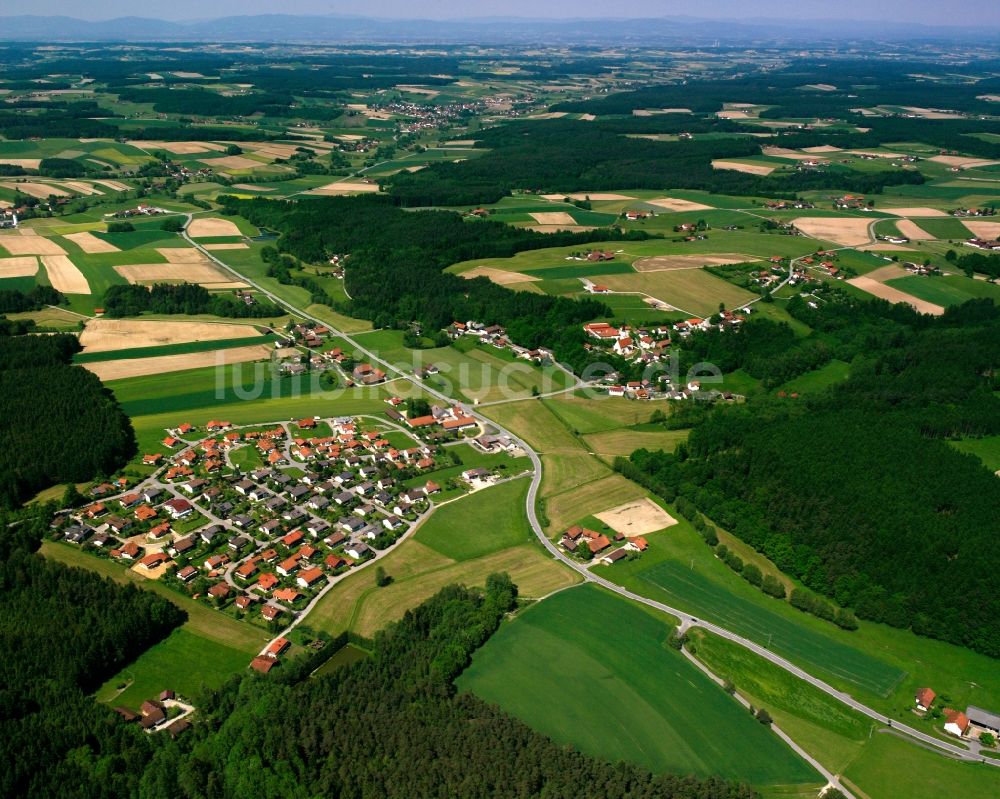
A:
x: 929, y: 12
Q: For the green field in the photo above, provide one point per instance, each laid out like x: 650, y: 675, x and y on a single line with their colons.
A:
x: 818, y: 379
x: 169, y: 349
x: 487, y: 521
x: 592, y: 670
x: 691, y: 590
x: 945, y: 228
x: 946, y: 290
x: 184, y: 662
x: 987, y: 449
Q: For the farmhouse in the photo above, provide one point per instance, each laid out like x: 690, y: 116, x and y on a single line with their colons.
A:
x: 956, y: 722
x: 178, y: 508
x: 983, y: 719
x: 924, y: 698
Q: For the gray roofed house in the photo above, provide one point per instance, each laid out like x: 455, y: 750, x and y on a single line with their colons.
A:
x: 351, y: 523
x: 317, y: 526
x: 344, y: 498
x: 299, y: 492
x: 983, y: 718
x: 77, y: 534
x: 275, y: 503
x: 318, y: 502
x: 294, y: 515
x: 209, y: 534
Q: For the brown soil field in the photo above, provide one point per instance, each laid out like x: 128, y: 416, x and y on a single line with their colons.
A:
x: 982, y: 230
x: 90, y: 244
x: 888, y: 272
x: 231, y: 162
x: 961, y: 161
x: 182, y: 255
x: 553, y: 218
x: 252, y: 187
x: 236, y: 245
x: 639, y: 517
x: 101, y: 335
x: 583, y: 195
x: 30, y: 245
x: 345, y: 187
x: 114, y: 185
x: 673, y: 204
x: 913, y: 231
x: 750, y: 169
x: 38, y: 190
x: 784, y: 152
x: 135, y: 367
x: 850, y: 232
x: 274, y: 150
x: 203, y: 228
x: 874, y: 154
x: 662, y: 263
x: 26, y: 163
x: 916, y: 213
x: 895, y: 295
x: 203, y: 272
x: 499, y: 276
x: 23, y: 266
x: 180, y: 147
x: 823, y: 148
x: 884, y: 246
x: 64, y: 275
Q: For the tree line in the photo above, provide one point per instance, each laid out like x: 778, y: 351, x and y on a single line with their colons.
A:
x: 181, y: 298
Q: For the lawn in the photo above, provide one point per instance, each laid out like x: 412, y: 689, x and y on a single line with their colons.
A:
x: 593, y: 671
x: 484, y: 522
x: 692, y: 590
x: 185, y: 662
x: 818, y: 379
x: 344, y: 656
x: 987, y: 449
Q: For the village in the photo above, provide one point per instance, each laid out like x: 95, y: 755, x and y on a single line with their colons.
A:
x: 975, y: 725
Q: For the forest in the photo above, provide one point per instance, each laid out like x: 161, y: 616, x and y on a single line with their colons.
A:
x: 396, y: 262
x: 182, y: 298
x: 399, y: 708
x: 535, y: 156
x: 78, y: 433
x: 65, y: 631
x: 892, y: 522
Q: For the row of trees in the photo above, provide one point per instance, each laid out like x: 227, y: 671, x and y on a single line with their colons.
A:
x: 183, y: 298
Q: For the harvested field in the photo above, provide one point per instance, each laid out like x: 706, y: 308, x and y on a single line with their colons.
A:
x: 499, y: 276
x: 81, y: 187
x: 673, y: 204
x: 583, y: 195
x: 204, y: 228
x: 40, y: 191
x: 23, y: 266
x: 203, y: 272
x: 180, y: 147
x: 252, y: 187
x: 884, y: 246
x: 90, y: 244
x: 916, y: 213
x: 662, y: 263
x: 25, y: 163
x: 345, y: 187
x: 823, y: 148
x: 236, y: 245
x: 845, y: 231
x: 913, y: 231
x: 878, y: 289
x: 231, y: 162
x: 889, y: 272
x: 273, y: 150
x: 784, y: 152
x: 136, y: 367
x: 30, y: 245
x: 874, y: 154
x: 182, y: 255
x: 750, y: 169
x: 101, y: 335
x: 984, y: 230
x: 638, y: 517
x: 961, y: 161
x: 114, y: 185
x: 64, y: 275
x: 553, y: 218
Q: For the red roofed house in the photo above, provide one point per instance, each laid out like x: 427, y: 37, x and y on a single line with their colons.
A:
x: 924, y: 698
x: 270, y: 612
x: 310, y: 577
x: 287, y: 595
x: 599, y: 543
x: 267, y: 581
x: 262, y: 664
x: 956, y: 722
x: 278, y: 646
x: 154, y: 559
x: 178, y: 507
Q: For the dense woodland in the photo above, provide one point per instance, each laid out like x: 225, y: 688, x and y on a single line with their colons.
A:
x: 183, y: 298
x: 856, y: 491
x: 565, y: 155
x: 77, y: 432
x: 65, y: 631
x: 396, y: 262
x: 391, y: 726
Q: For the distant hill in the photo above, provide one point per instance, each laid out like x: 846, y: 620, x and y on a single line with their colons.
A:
x: 353, y: 29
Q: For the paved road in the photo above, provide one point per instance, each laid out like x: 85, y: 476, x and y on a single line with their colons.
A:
x: 685, y: 619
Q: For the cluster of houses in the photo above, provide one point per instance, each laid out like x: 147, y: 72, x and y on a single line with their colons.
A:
x: 142, y: 209
x: 921, y: 269
x: 973, y: 723
x: 991, y: 245
x: 973, y: 212
x: 788, y: 205
x: 495, y: 336
x: 591, y: 545
x: 452, y: 419
x: 157, y: 715
x: 640, y: 345
x: 8, y: 218
x: 850, y: 202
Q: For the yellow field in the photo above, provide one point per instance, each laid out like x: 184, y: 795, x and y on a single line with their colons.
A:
x: 22, y: 266
x: 210, y: 226
x: 64, y: 275
x: 89, y: 243
x: 161, y: 364
x: 624, y: 442
x: 101, y: 335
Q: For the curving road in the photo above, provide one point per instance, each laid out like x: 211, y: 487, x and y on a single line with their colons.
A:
x: 686, y: 620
